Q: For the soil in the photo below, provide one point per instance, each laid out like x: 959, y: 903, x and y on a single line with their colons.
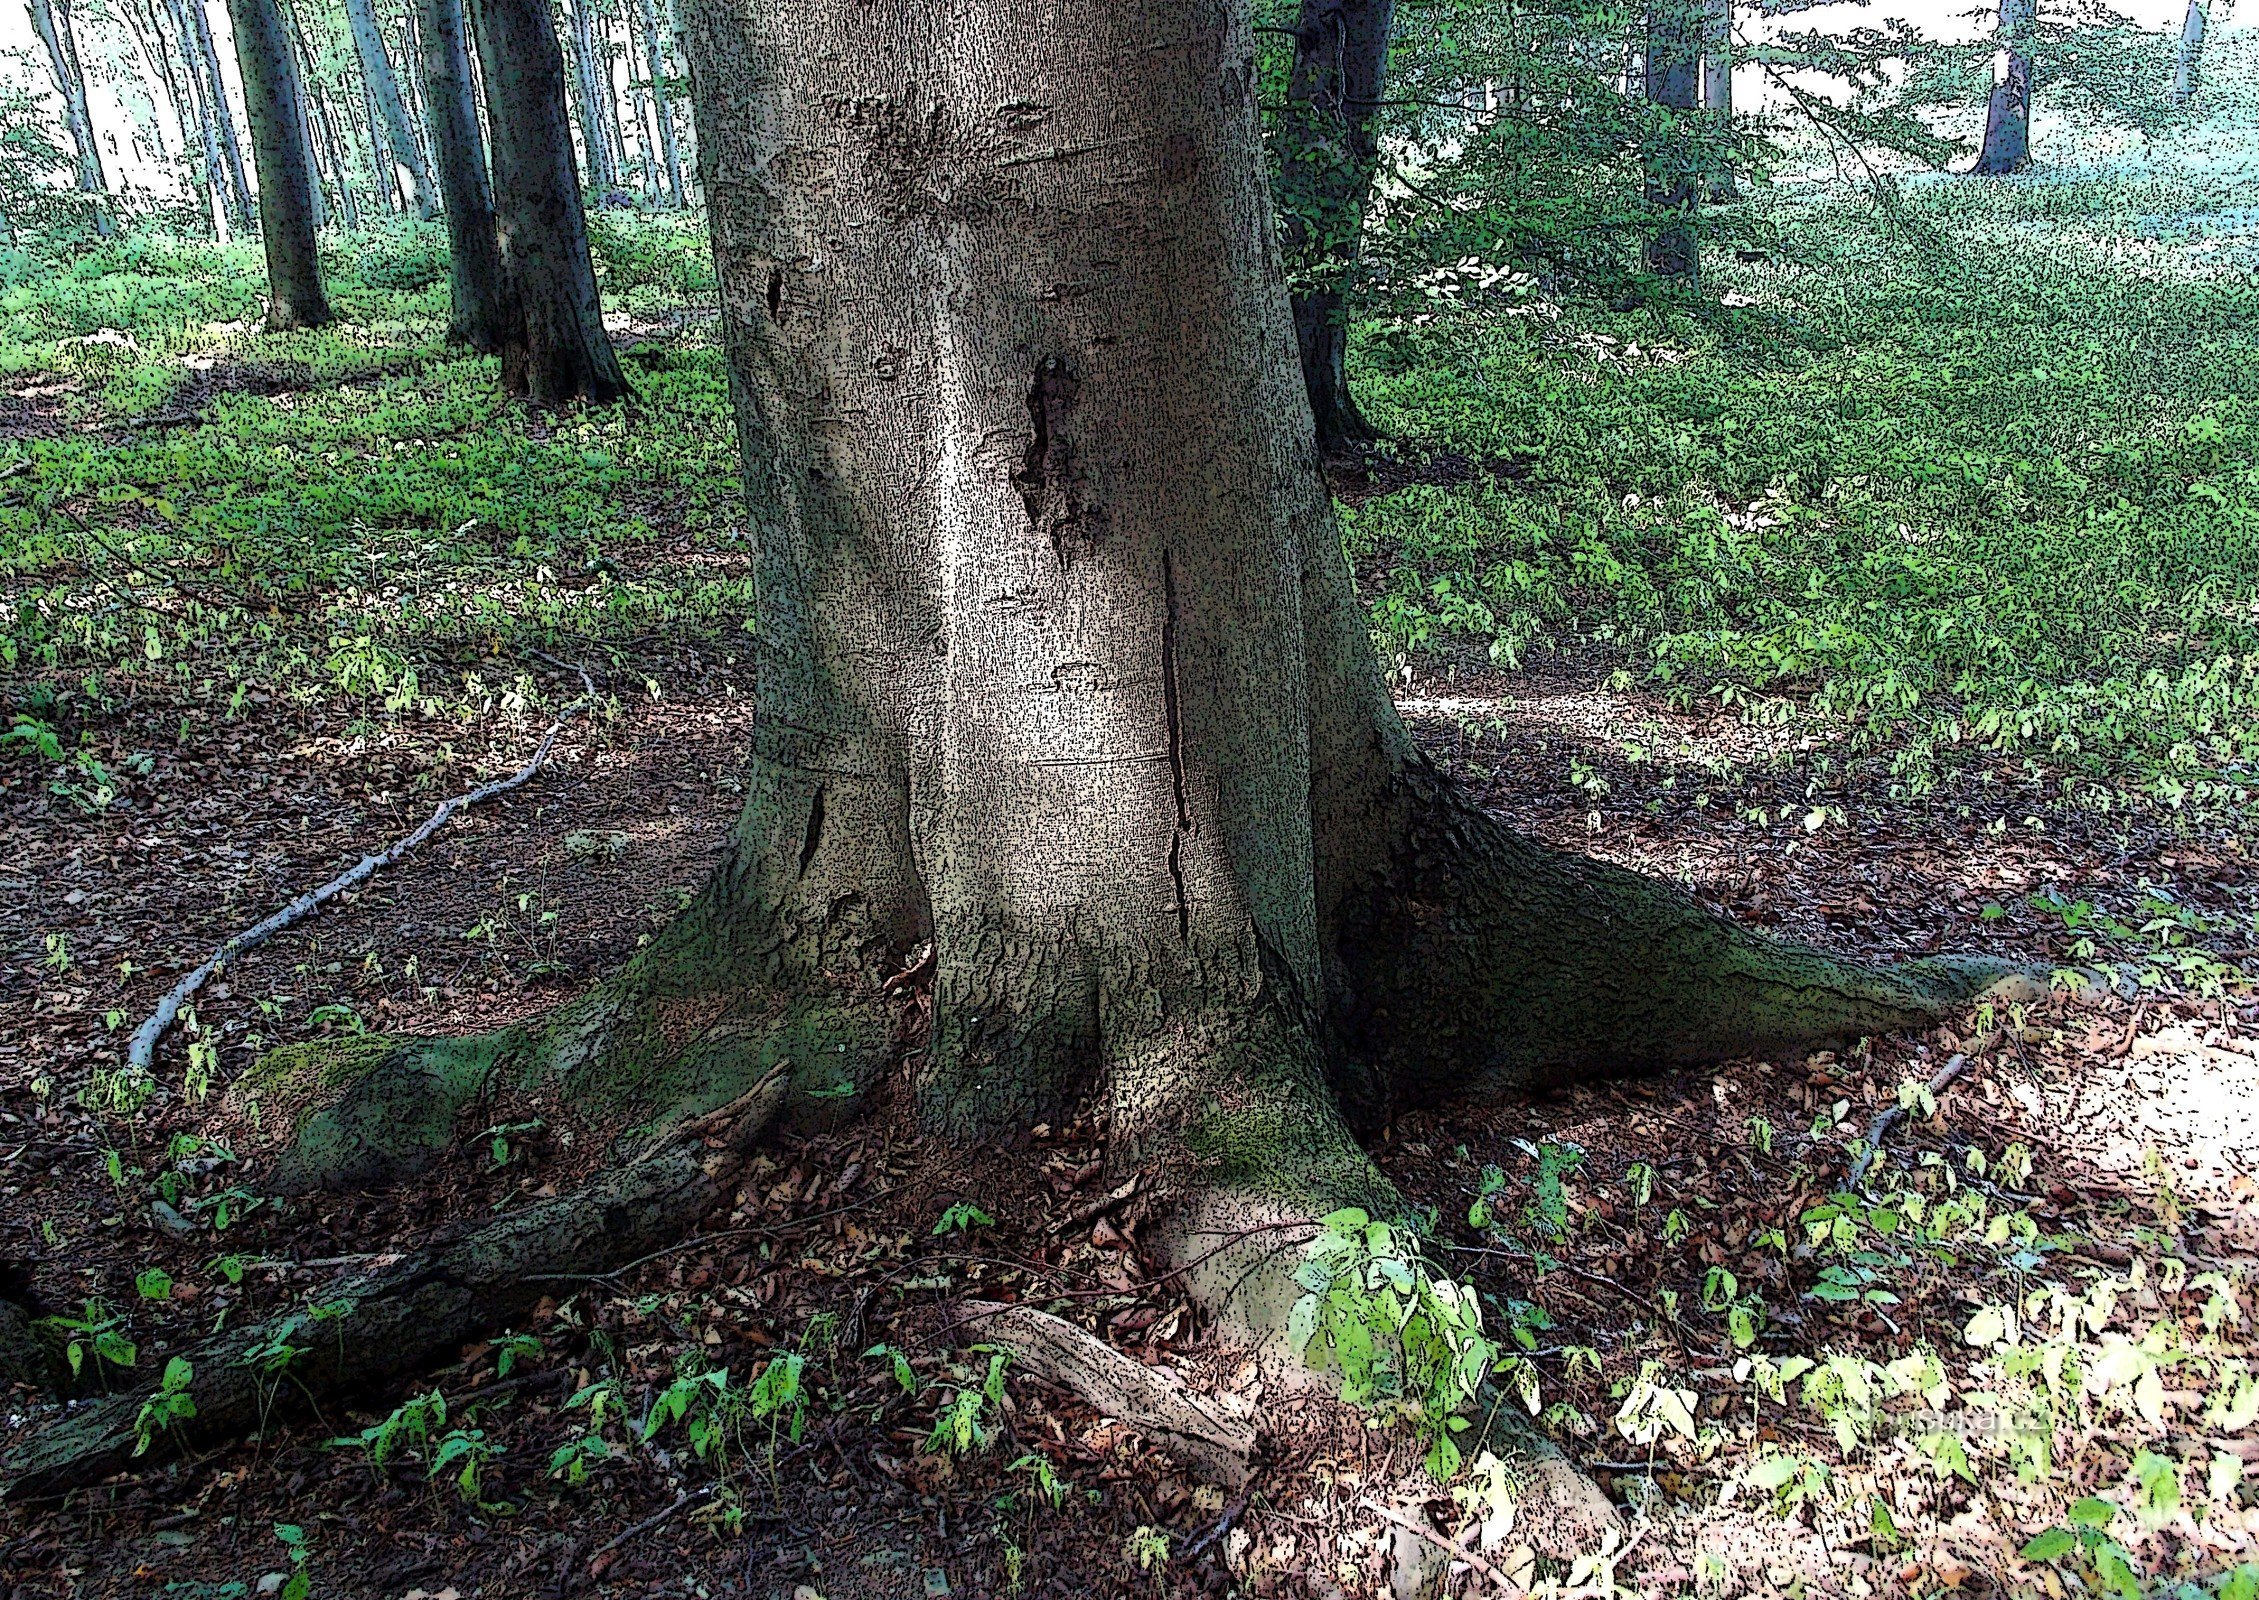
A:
x: 2141, y: 1113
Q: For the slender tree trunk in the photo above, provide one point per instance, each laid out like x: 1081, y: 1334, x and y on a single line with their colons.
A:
x: 2008, y: 115
x: 197, y: 27
x: 1673, y: 69
x: 391, y: 116
x: 557, y: 351
x: 217, y: 196
x: 309, y: 110
x: 1717, y: 94
x: 51, y: 20
x: 334, y: 149
x: 2188, y: 61
x: 655, y: 69
x: 596, y: 142
x: 273, y: 100
x: 1329, y: 149
x: 479, y: 312
x: 149, y: 43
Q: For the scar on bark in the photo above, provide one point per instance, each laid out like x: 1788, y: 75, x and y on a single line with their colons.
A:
x: 1044, y: 476
x: 776, y: 295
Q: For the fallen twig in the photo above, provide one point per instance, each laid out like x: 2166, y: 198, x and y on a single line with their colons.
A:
x: 682, y: 1498
x: 1889, y: 1119
x: 144, y: 1048
x: 1458, y: 1551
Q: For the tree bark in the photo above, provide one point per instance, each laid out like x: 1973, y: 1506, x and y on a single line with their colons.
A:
x: 51, y: 20
x: 274, y: 101
x: 196, y: 27
x: 384, y: 96
x: 219, y: 201
x: 340, y: 170
x: 1674, y: 55
x: 1329, y: 141
x: 2008, y: 114
x: 2188, y: 59
x: 556, y: 351
x: 655, y: 71
x: 479, y: 312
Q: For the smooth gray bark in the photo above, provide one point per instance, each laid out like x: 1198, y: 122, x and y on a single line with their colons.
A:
x: 557, y: 350
x: 51, y: 20
x: 2188, y: 59
x: 478, y: 296
x: 274, y: 101
x: 1673, y: 71
x: 391, y: 115
x: 1329, y: 139
x: 2008, y: 113
x: 333, y: 150
x: 218, y: 198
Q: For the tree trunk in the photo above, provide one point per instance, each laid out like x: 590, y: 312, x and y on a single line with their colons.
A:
x: 655, y: 68
x: 557, y: 350
x: 1674, y: 54
x: 273, y: 100
x: 596, y: 140
x: 149, y: 43
x: 197, y: 27
x: 311, y: 117
x: 1070, y: 743
x: 1717, y: 94
x: 218, y: 199
x: 51, y: 20
x: 478, y: 298
x: 2008, y: 115
x: 390, y: 116
x: 2188, y: 61
x: 325, y: 128
x: 1329, y: 149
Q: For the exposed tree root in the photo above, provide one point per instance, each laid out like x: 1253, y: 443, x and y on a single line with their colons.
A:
x: 1206, y: 1433
x: 390, y: 1322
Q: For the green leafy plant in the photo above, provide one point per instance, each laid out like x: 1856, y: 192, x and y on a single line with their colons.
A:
x: 170, y: 1406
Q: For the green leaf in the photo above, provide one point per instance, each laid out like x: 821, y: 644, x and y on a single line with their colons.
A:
x: 2052, y: 1545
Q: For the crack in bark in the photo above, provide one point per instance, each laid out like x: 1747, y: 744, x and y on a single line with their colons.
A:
x: 776, y: 295
x: 1173, y: 714
x: 815, y: 831
x: 1043, y: 477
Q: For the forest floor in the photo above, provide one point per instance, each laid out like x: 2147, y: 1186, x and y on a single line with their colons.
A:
x: 275, y: 598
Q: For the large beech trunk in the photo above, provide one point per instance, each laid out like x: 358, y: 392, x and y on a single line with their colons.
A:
x: 274, y: 102
x: 479, y: 311
x: 2008, y: 114
x: 396, y: 139
x: 556, y: 350
x: 1329, y: 149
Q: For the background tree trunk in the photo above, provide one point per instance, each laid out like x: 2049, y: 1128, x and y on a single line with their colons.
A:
x: 591, y: 98
x: 655, y: 69
x: 1717, y: 94
x: 273, y: 100
x: 51, y: 20
x: 1674, y: 56
x: 478, y: 296
x: 557, y: 350
x: 218, y: 199
x: 2008, y: 115
x: 398, y: 139
x: 334, y: 148
x: 2188, y: 60
x: 1329, y: 150
x: 197, y: 27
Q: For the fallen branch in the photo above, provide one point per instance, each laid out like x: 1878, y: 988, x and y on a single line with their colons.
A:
x: 1189, y: 1428
x: 1891, y: 1118
x: 390, y: 1322
x: 1457, y: 1551
x: 144, y: 1048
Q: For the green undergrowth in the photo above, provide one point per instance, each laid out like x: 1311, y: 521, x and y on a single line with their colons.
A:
x: 354, y: 515
x: 1970, y: 468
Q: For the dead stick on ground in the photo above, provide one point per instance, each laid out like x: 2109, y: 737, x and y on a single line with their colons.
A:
x: 1458, y: 1551
x: 1890, y: 1119
x: 144, y: 1049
